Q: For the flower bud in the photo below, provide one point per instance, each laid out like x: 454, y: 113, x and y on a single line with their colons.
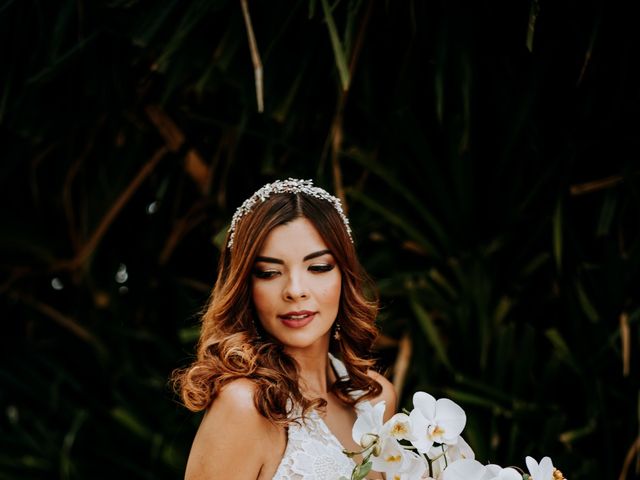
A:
x: 376, y: 450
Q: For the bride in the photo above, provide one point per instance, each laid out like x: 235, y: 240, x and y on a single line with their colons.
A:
x: 284, y: 356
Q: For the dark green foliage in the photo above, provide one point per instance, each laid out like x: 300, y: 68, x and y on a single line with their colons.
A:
x: 467, y: 143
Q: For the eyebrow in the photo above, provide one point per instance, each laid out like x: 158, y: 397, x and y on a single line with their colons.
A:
x: 319, y: 253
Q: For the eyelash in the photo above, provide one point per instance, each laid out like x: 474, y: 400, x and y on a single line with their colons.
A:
x: 267, y: 274
x: 322, y: 268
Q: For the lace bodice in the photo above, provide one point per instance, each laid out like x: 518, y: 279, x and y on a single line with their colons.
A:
x: 313, y: 452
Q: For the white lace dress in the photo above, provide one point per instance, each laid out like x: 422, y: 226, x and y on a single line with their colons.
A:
x: 313, y: 452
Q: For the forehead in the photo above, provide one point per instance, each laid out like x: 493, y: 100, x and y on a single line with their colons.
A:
x: 296, y: 238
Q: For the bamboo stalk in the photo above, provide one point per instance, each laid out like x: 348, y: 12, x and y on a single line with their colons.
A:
x: 115, y: 209
x: 174, y: 137
x: 625, y: 338
x: 336, y: 136
x: 72, y: 173
x: 633, y: 450
x: 182, y: 227
x: 595, y: 185
x: 588, y: 53
x: 169, y: 131
x: 338, y: 51
x: 255, y: 55
x: 401, y: 366
x: 61, y: 319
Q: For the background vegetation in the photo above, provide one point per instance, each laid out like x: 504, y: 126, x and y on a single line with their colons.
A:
x: 488, y: 154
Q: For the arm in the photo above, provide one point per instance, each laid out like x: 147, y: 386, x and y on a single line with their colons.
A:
x: 388, y: 394
x: 232, y: 439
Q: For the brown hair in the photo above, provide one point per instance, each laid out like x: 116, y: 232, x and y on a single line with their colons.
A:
x: 229, y: 346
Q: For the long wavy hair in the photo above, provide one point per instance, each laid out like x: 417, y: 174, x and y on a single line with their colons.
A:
x: 230, y: 347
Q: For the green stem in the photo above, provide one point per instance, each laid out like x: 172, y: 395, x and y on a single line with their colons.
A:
x: 430, y: 465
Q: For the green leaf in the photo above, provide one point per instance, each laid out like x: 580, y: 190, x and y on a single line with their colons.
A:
x: 312, y: 8
x: 557, y: 235
x: 585, y: 303
x: 400, y: 187
x: 430, y: 331
x: 468, y: 398
x: 130, y: 422
x: 338, y: 52
x: 575, y: 434
x: 533, y: 17
x: 395, y: 219
x: 60, y: 61
x: 197, y: 10
x: 502, y: 309
x: 561, y: 348
x: 361, y: 471
x: 534, y: 264
x: 607, y: 213
x: 153, y: 21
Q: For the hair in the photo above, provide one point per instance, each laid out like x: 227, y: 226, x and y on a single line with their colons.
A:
x: 230, y: 347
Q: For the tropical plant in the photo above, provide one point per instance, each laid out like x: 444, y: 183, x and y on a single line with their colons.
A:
x: 485, y: 152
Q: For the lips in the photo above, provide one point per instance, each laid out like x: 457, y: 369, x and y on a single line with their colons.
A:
x: 297, y: 319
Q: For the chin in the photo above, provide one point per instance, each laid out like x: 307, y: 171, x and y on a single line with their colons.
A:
x: 301, y: 341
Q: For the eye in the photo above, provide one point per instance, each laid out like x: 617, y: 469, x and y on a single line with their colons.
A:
x: 265, y: 274
x: 324, y: 267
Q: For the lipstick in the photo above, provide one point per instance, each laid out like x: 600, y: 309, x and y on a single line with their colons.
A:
x: 297, y: 319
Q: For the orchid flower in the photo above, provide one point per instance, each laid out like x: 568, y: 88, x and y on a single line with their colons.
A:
x: 398, y: 427
x: 415, y: 467
x: 392, y: 458
x: 466, y: 469
x: 496, y: 472
x: 443, y: 455
x: 460, y: 450
x: 433, y: 421
x: 368, y: 426
x: 437, y: 451
x: 542, y: 470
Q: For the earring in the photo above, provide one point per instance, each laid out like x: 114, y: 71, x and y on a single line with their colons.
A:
x: 336, y: 332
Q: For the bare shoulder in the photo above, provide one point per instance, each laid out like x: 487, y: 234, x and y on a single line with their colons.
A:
x: 234, y: 403
x: 232, y: 436
x: 388, y: 394
x: 237, y: 395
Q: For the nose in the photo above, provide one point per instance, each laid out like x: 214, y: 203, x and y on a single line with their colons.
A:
x: 295, y: 287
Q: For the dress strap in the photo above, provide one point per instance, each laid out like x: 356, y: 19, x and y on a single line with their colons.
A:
x: 341, y: 372
x: 339, y: 367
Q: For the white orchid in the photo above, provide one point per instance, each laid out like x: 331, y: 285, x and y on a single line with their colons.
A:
x: 442, y: 455
x: 433, y: 428
x: 460, y: 450
x: 433, y: 421
x: 398, y: 427
x: 542, y: 470
x: 496, y: 472
x: 466, y: 469
x: 469, y: 469
x: 392, y: 458
x: 368, y: 426
x: 415, y: 467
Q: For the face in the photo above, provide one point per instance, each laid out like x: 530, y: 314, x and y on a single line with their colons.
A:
x: 296, y: 286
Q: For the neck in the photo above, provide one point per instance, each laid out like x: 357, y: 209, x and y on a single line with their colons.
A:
x: 314, y: 369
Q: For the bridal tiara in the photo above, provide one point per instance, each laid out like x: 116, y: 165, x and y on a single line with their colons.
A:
x: 290, y: 185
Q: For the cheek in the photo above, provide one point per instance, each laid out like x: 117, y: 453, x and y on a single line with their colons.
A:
x: 261, y: 298
x: 331, y: 292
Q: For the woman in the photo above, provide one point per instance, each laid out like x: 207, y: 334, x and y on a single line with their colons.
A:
x: 288, y: 296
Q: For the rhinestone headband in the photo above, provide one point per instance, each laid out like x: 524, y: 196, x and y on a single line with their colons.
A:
x: 290, y: 185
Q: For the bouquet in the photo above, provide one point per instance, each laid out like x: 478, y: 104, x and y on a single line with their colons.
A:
x: 425, y: 443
